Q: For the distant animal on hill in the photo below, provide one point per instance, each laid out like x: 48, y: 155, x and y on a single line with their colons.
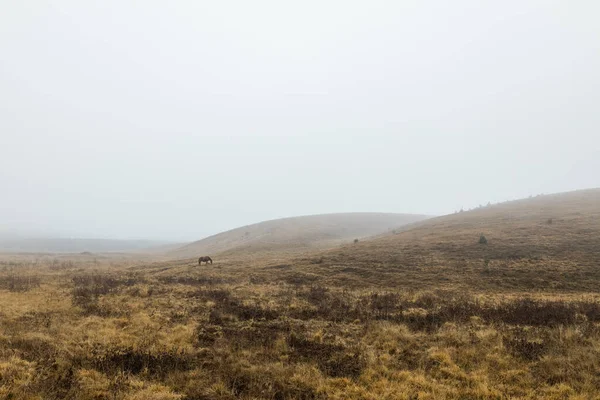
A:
x: 205, y: 259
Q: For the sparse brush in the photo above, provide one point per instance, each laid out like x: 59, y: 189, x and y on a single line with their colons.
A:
x: 19, y: 283
x: 169, y: 334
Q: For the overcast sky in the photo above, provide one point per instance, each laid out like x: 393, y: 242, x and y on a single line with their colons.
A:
x: 175, y: 120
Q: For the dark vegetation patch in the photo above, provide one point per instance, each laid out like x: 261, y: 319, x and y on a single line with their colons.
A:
x: 265, y: 383
x: 334, y: 360
x: 330, y: 305
x: 226, y: 303
x: 30, y: 348
x: 429, y: 311
x: 529, y: 345
x: 88, y: 288
x: 33, y: 320
x: 280, y: 266
x: 257, y: 335
x: 56, y: 378
x: 113, y: 360
x: 19, y: 283
x: 204, y: 280
x: 299, y: 278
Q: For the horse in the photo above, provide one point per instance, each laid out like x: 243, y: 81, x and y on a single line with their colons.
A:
x: 205, y: 259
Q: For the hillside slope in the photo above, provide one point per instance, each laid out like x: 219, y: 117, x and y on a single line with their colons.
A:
x: 546, y: 242
x: 297, y: 233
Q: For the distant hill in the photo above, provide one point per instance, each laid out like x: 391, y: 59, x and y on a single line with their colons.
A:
x: 19, y: 244
x: 545, y: 242
x: 297, y: 233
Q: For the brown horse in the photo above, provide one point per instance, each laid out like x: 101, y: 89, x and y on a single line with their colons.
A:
x: 205, y: 259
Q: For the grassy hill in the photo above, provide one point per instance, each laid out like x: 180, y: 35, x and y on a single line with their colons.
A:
x: 546, y: 242
x: 296, y: 234
x: 425, y: 313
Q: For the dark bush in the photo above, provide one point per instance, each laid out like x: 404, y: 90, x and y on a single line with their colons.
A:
x: 343, y: 365
x: 249, y: 382
x: 299, y: 278
x: 262, y: 334
x: 134, y: 361
x: 207, y: 334
x: 438, y: 309
x: 248, y: 312
x: 332, y: 359
x: 483, y: 240
x: 88, y: 288
x: 428, y: 322
x: 205, y: 280
x: 225, y: 303
x: 590, y: 309
x: 316, y: 294
x: 55, y: 377
x: 334, y: 306
x: 384, y: 305
x: 519, y: 344
x: 533, y: 312
x: 30, y: 348
x: 219, y: 296
x: 19, y: 283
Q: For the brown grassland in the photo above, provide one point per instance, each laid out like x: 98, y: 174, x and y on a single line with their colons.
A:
x: 425, y: 312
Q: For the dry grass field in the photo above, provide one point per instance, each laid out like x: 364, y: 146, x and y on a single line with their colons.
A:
x: 423, y: 313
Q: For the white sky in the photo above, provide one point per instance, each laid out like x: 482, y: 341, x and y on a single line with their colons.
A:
x: 175, y: 120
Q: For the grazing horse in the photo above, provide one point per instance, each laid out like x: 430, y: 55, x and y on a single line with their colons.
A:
x: 205, y: 259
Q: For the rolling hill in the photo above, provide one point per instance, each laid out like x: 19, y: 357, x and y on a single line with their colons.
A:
x: 546, y: 242
x: 427, y: 311
x: 296, y: 234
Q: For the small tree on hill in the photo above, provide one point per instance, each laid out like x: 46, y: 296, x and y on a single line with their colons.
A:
x: 482, y: 239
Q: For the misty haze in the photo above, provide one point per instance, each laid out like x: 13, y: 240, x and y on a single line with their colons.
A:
x: 315, y: 200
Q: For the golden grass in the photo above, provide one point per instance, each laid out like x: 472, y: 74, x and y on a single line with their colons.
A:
x: 199, y: 333
x: 427, y: 313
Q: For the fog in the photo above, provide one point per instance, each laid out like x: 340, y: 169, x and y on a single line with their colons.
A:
x: 175, y: 120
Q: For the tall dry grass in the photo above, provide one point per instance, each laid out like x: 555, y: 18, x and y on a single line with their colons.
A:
x: 178, y: 331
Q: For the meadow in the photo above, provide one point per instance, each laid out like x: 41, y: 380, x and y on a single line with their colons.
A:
x: 427, y: 311
x: 88, y: 329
